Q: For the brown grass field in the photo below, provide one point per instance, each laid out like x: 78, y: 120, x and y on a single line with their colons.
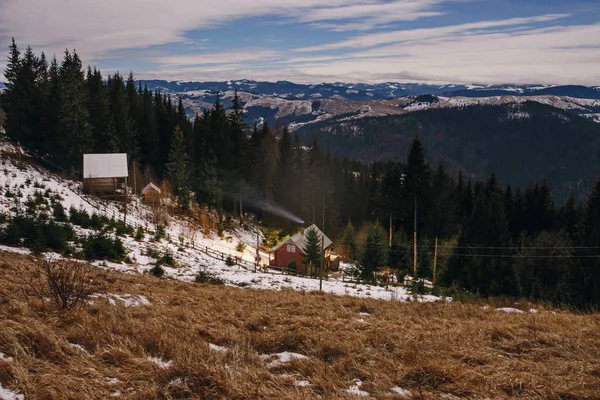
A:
x: 436, y: 351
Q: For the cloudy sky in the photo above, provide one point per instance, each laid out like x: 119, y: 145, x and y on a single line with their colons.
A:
x: 441, y: 41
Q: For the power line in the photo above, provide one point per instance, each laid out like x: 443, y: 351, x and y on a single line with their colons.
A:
x: 485, y: 247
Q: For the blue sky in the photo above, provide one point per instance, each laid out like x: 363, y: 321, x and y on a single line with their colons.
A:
x: 437, y: 41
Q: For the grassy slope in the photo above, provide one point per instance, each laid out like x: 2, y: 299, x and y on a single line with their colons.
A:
x: 429, y: 349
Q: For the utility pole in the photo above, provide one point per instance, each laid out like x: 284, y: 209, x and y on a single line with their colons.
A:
x: 322, y: 262
x: 323, y: 227
x: 257, y: 252
x: 415, y: 241
x: 437, y: 234
x: 125, y: 210
x: 390, y: 230
x: 134, y: 180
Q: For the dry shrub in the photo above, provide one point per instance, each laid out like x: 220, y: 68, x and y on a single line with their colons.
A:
x: 66, y: 282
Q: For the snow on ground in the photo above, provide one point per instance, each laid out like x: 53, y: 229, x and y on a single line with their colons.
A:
x: 303, y: 383
x: 275, y: 360
x: 510, y: 310
x: 17, y: 250
x: 162, y: 364
x: 6, y: 358
x: 400, y: 391
x: 112, y: 381
x: 355, y: 389
x: 78, y: 348
x: 26, y: 179
x: 128, y: 300
x: 216, y: 347
x: 6, y: 394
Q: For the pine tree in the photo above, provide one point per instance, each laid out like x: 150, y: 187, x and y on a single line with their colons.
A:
x: 348, y: 244
x: 178, y: 168
x: 312, y: 250
x: 373, y: 256
x: 586, y: 285
x: 75, y: 131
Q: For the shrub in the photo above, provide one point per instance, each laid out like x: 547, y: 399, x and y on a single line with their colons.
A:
x: 79, y: 217
x: 65, y: 282
x: 229, y: 261
x: 166, y: 259
x: 37, y: 234
x: 241, y: 246
x: 139, y: 234
x: 293, y: 267
x: 157, y: 271
x: 58, y: 212
x: 101, y: 246
x: 122, y: 229
x: 160, y: 232
x: 205, y: 276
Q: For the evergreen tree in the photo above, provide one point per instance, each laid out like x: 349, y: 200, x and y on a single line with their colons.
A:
x: 373, y: 256
x: 348, y: 244
x: 75, y: 130
x: 312, y: 250
x: 178, y: 168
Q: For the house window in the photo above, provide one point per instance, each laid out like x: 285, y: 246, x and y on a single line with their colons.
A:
x: 291, y: 248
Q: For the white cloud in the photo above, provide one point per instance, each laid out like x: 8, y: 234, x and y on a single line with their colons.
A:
x: 97, y: 27
x: 231, y: 56
x: 557, y: 55
x: 376, y: 39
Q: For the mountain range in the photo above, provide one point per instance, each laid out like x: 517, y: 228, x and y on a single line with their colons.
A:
x: 297, y: 105
x: 522, y: 132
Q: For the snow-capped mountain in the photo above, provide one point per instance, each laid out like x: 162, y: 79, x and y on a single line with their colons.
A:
x: 362, y: 91
x: 297, y: 104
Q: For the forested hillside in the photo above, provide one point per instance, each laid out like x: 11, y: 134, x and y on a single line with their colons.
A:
x: 473, y: 233
x: 521, y: 143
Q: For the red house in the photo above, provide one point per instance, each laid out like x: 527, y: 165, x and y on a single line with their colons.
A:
x: 292, y: 250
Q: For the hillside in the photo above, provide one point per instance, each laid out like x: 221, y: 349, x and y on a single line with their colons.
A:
x: 27, y: 188
x: 522, y: 142
x: 148, y: 338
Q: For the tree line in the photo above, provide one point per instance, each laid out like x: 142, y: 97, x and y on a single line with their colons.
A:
x: 475, y: 234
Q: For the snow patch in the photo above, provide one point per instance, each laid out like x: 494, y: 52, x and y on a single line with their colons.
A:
x: 16, y: 250
x: 275, y: 360
x: 400, y: 391
x: 6, y: 394
x: 4, y: 357
x: 510, y: 310
x: 160, y: 362
x: 216, y: 347
x: 112, y: 381
x: 303, y: 383
x: 355, y: 389
x: 128, y: 300
x: 78, y: 347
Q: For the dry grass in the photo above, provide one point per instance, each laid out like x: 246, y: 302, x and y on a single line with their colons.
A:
x: 430, y: 349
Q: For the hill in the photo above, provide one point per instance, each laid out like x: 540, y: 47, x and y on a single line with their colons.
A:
x: 185, y: 248
x: 522, y: 142
x: 140, y: 337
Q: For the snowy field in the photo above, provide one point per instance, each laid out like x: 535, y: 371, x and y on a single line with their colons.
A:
x: 24, y: 180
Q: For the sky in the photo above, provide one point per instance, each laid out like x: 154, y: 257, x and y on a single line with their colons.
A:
x: 311, y: 41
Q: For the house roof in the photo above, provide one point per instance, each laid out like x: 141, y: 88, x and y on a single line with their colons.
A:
x: 299, y: 239
x: 105, y: 166
x: 151, y: 186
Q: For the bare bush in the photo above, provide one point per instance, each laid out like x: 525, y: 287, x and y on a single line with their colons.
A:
x: 65, y: 282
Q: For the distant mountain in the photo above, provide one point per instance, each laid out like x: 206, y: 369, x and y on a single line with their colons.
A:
x: 362, y: 91
x: 2, y: 86
x: 522, y: 142
x: 297, y: 105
